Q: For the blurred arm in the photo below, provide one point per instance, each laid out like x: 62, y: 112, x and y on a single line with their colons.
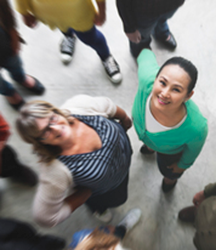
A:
x: 100, y: 17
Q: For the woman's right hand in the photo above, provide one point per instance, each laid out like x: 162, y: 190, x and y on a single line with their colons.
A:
x: 29, y: 20
x: 134, y: 37
x: 198, y: 198
x: 126, y: 122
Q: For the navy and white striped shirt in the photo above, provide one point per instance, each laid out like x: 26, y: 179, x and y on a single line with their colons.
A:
x: 104, y: 169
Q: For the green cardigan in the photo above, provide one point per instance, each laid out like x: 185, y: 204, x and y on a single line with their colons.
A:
x: 188, y: 138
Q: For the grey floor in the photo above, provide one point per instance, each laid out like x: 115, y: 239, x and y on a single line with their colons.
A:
x: 159, y: 229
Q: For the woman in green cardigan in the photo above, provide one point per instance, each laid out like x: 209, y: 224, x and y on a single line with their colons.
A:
x: 165, y: 118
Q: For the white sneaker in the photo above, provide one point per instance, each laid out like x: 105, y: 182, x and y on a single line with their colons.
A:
x: 112, y: 69
x: 131, y: 219
x: 106, y: 216
x: 67, y: 47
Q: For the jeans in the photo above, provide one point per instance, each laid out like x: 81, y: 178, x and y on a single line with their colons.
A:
x: 93, y: 38
x: 14, y: 66
x: 147, y: 26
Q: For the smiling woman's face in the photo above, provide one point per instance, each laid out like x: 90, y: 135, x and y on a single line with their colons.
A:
x: 170, y: 88
x: 53, y: 131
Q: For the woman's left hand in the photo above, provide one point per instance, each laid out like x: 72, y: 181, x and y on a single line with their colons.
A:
x: 126, y: 122
x: 176, y: 169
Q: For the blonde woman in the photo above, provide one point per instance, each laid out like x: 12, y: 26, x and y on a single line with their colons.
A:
x: 81, y: 149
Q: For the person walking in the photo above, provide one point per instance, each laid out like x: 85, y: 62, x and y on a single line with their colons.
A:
x: 74, y: 19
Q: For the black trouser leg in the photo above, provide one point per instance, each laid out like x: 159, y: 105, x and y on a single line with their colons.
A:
x: 113, y: 198
x: 10, y: 164
x: 120, y: 232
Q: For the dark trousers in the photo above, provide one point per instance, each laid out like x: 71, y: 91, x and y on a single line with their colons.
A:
x: 10, y: 165
x: 164, y: 161
x: 120, y: 232
x: 16, y: 235
x: 147, y: 26
x: 113, y: 198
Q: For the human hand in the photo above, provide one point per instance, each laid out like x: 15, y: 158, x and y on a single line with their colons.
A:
x: 99, y: 19
x: 134, y: 37
x: 198, y: 198
x: 29, y: 20
x: 100, y: 16
x: 176, y: 169
x: 126, y: 122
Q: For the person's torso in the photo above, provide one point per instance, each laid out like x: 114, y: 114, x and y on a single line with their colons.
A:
x: 171, y: 141
x: 154, y: 8
x: 64, y: 14
x: 104, y: 169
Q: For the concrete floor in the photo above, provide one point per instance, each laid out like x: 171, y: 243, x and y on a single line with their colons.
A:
x: 159, y: 228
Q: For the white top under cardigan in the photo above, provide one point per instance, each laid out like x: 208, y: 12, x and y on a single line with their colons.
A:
x: 56, y: 182
x: 152, y: 125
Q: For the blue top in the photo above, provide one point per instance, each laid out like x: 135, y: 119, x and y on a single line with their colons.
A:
x: 80, y: 235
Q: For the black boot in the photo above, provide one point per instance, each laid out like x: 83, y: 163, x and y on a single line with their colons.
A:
x: 11, y: 167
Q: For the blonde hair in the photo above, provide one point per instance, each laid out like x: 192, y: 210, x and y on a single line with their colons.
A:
x: 98, y: 240
x: 27, y: 127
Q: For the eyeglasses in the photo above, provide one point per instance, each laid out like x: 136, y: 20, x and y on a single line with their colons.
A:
x: 52, y: 121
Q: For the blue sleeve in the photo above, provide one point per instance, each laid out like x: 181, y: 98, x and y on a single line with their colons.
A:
x: 79, y: 236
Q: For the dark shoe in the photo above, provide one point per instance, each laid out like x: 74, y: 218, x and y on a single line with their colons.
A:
x: 11, y: 167
x: 38, y: 87
x: 67, y: 47
x: 18, y: 105
x: 170, y: 43
x: 112, y: 69
x: 145, y: 151
x: 166, y: 188
x: 187, y: 214
x: 25, y: 176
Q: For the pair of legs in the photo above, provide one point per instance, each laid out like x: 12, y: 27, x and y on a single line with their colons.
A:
x: 96, y: 40
x: 164, y: 161
x: 93, y: 38
x: 147, y: 26
x: 13, y: 65
x: 170, y: 178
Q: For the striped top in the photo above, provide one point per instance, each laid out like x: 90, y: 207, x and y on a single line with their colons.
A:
x: 104, y: 169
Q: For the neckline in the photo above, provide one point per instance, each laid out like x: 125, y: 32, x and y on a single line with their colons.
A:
x: 95, y: 129
x: 159, y: 124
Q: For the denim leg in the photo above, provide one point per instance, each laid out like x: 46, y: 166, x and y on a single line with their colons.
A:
x: 161, y: 30
x: 14, y: 66
x: 6, y: 88
x: 164, y: 161
x: 96, y: 40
